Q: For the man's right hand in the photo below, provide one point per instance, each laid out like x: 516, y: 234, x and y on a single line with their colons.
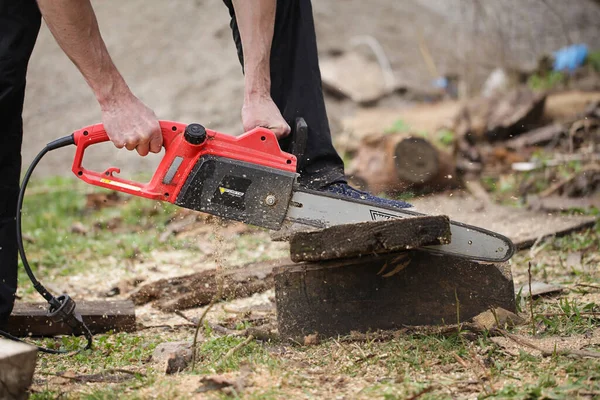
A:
x: 131, y: 124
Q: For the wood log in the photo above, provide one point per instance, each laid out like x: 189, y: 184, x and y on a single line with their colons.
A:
x: 338, y: 297
x: 537, y: 137
x: 198, y: 289
x: 368, y: 238
x: 17, y: 364
x: 30, y: 319
x: 398, y: 162
x: 500, y: 117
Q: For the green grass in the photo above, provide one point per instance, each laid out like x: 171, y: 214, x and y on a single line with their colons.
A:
x: 547, y: 81
x: 117, y: 350
x: 594, y: 60
x: 211, y: 354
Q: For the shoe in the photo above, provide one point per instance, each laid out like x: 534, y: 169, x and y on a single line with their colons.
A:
x: 343, y: 189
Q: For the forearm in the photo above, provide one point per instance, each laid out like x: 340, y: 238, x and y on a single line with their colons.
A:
x: 74, y: 26
x: 256, y: 20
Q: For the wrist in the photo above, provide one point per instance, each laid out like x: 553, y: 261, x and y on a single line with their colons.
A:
x: 257, y: 86
x: 112, y: 92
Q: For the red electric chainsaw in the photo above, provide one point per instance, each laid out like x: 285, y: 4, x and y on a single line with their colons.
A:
x: 250, y: 179
x: 246, y: 178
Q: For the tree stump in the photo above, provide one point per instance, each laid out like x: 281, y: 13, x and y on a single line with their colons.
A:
x: 17, y: 364
x: 386, y: 292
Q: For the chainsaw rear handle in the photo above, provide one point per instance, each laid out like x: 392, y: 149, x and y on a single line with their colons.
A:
x: 95, y: 134
x: 184, y: 144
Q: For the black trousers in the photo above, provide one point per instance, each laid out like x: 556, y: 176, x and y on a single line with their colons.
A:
x: 295, y: 88
x: 19, y: 25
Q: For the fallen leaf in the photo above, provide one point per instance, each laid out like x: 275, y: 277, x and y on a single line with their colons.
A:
x: 574, y: 260
x: 101, y: 200
x: 497, y: 318
x: 215, y: 382
x: 112, y: 224
x: 311, y: 340
x: 78, y: 228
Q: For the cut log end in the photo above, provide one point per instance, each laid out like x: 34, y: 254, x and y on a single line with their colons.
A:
x: 416, y: 160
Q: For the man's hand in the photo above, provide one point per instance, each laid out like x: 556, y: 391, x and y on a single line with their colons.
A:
x: 262, y: 111
x: 130, y: 124
x: 256, y: 21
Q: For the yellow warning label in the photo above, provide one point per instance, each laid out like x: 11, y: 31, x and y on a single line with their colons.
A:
x: 231, y: 192
x: 121, y: 184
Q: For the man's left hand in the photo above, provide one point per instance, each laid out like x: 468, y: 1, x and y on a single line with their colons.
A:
x: 262, y: 111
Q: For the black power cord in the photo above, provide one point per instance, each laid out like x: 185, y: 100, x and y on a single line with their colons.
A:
x: 62, y: 308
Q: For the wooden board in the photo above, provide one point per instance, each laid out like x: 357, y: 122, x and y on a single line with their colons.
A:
x: 30, y: 319
x: 337, y: 297
x: 368, y: 238
x: 17, y: 364
x: 198, y: 289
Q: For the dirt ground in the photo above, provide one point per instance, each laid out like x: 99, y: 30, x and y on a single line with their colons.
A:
x: 179, y: 58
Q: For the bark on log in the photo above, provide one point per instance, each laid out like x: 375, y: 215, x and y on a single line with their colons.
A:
x: 338, y: 297
x: 17, y: 364
x: 198, y: 289
x: 369, y: 238
x: 398, y: 162
x: 30, y: 319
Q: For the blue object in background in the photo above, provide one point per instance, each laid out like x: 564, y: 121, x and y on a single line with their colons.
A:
x: 441, y: 83
x: 570, y: 58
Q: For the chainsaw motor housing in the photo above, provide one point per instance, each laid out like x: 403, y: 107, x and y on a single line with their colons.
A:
x: 238, y: 190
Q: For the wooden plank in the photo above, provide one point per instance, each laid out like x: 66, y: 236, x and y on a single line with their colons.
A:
x: 17, y: 364
x: 368, y: 238
x: 198, y: 289
x: 30, y: 319
x: 337, y: 297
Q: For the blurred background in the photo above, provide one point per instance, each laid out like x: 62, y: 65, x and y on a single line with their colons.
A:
x: 443, y: 72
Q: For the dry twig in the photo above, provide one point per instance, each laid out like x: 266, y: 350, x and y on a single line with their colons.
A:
x: 531, y: 300
x: 421, y: 393
x: 232, y: 351
x: 589, y: 286
x: 547, y: 353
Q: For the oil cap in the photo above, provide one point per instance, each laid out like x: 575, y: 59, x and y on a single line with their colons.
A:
x: 195, y: 134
